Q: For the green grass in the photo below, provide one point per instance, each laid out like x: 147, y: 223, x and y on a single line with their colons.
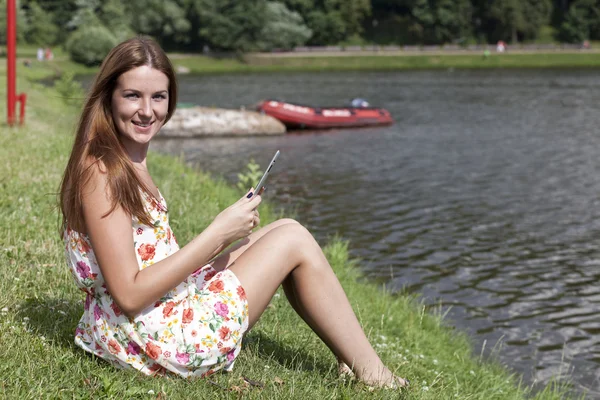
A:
x: 40, y: 305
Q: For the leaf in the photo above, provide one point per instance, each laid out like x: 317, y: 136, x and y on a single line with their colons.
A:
x: 212, y: 327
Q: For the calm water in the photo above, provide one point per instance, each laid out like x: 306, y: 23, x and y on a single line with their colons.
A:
x: 484, y: 196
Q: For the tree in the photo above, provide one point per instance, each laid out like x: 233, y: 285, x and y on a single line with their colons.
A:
x: 327, y: 27
x: 115, y: 17
x: 165, y: 20
x: 581, y: 22
x: 89, y: 45
x: 21, y: 22
x: 442, y: 21
x: 41, y: 29
x: 284, y: 29
x: 231, y: 25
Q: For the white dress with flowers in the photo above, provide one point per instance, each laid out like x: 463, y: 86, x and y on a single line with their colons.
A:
x: 194, y: 330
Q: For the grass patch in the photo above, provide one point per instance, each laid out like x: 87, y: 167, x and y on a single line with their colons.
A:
x: 40, y: 305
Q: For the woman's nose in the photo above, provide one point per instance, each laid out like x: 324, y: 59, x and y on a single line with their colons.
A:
x: 145, y: 108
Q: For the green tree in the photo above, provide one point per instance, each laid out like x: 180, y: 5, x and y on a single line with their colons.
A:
x: 41, y: 29
x: 89, y: 45
x: 442, y: 21
x: 284, y: 29
x: 115, y: 17
x: 327, y: 27
x: 62, y: 12
x: 231, y: 25
x: 512, y: 20
x: 21, y: 22
x: 165, y: 20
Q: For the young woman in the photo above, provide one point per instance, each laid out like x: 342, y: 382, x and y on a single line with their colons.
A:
x: 151, y: 305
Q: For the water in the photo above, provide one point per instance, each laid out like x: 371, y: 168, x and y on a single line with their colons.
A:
x: 483, y: 197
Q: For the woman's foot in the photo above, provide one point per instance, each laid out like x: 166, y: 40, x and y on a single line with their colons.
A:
x: 386, y: 380
x: 344, y: 371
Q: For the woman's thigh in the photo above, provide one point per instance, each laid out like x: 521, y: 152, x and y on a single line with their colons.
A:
x: 228, y: 257
x: 269, y: 261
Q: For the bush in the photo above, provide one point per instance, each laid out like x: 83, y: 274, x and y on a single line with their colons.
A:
x: 89, y: 45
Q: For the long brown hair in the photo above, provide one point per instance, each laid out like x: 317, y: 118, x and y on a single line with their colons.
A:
x: 97, y: 138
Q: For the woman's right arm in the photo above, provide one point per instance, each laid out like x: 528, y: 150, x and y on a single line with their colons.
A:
x: 112, y: 240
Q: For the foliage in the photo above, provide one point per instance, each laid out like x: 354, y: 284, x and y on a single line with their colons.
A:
x: 284, y: 29
x: 258, y: 25
x: 89, y: 45
x: 232, y: 25
x: 250, y: 177
x: 21, y: 22
x: 441, y: 21
x: 337, y: 20
x: 166, y: 20
x: 513, y: 20
x: 581, y: 22
x: 41, y: 29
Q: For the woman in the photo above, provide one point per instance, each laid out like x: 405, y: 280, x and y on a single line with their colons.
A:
x: 149, y: 306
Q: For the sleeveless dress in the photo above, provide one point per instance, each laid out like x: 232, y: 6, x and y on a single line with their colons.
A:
x: 194, y: 330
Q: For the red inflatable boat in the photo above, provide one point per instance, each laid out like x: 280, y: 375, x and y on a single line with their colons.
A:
x: 301, y: 116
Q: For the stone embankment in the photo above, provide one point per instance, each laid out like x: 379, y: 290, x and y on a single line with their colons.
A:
x: 207, y: 121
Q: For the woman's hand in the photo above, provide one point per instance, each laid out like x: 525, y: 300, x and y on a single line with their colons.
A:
x: 237, y: 220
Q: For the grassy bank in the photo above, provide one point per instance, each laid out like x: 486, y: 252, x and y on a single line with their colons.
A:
x: 40, y: 305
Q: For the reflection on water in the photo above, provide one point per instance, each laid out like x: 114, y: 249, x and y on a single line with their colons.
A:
x: 484, y: 196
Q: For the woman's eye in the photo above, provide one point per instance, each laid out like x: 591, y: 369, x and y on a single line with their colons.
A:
x: 160, y: 96
x: 131, y: 96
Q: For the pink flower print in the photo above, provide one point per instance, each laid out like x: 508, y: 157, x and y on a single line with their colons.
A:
x: 116, y: 309
x: 97, y: 312
x: 83, y: 269
x: 167, y: 354
x: 221, y: 309
x: 139, y: 231
x: 79, y: 331
x: 182, y: 358
x: 231, y: 355
x: 133, y: 348
x: 88, y: 301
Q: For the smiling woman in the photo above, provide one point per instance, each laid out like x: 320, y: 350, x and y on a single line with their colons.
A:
x: 151, y: 305
x: 140, y: 104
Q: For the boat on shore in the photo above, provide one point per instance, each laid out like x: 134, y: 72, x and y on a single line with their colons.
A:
x: 296, y: 116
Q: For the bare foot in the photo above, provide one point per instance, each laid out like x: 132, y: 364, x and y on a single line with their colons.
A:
x: 386, y: 380
x: 344, y: 370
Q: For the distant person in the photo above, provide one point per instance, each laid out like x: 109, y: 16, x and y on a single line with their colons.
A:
x: 152, y: 306
x: 48, y: 54
x: 40, y: 54
x: 359, y: 103
x: 501, y: 46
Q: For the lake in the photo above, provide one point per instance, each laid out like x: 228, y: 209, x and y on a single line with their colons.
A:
x: 483, y: 197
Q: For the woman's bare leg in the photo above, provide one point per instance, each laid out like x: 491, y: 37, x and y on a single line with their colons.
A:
x: 228, y: 257
x: 290, y: 251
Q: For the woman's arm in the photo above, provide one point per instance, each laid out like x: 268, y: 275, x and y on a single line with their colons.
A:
x: 112, y: 240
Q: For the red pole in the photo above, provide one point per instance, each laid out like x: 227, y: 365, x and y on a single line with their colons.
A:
x: 11, y: 54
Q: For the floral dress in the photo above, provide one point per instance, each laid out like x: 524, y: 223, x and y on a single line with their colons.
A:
x: 194, y: 330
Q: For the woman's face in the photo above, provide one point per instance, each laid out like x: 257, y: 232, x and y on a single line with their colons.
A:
x: 140, y: 103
